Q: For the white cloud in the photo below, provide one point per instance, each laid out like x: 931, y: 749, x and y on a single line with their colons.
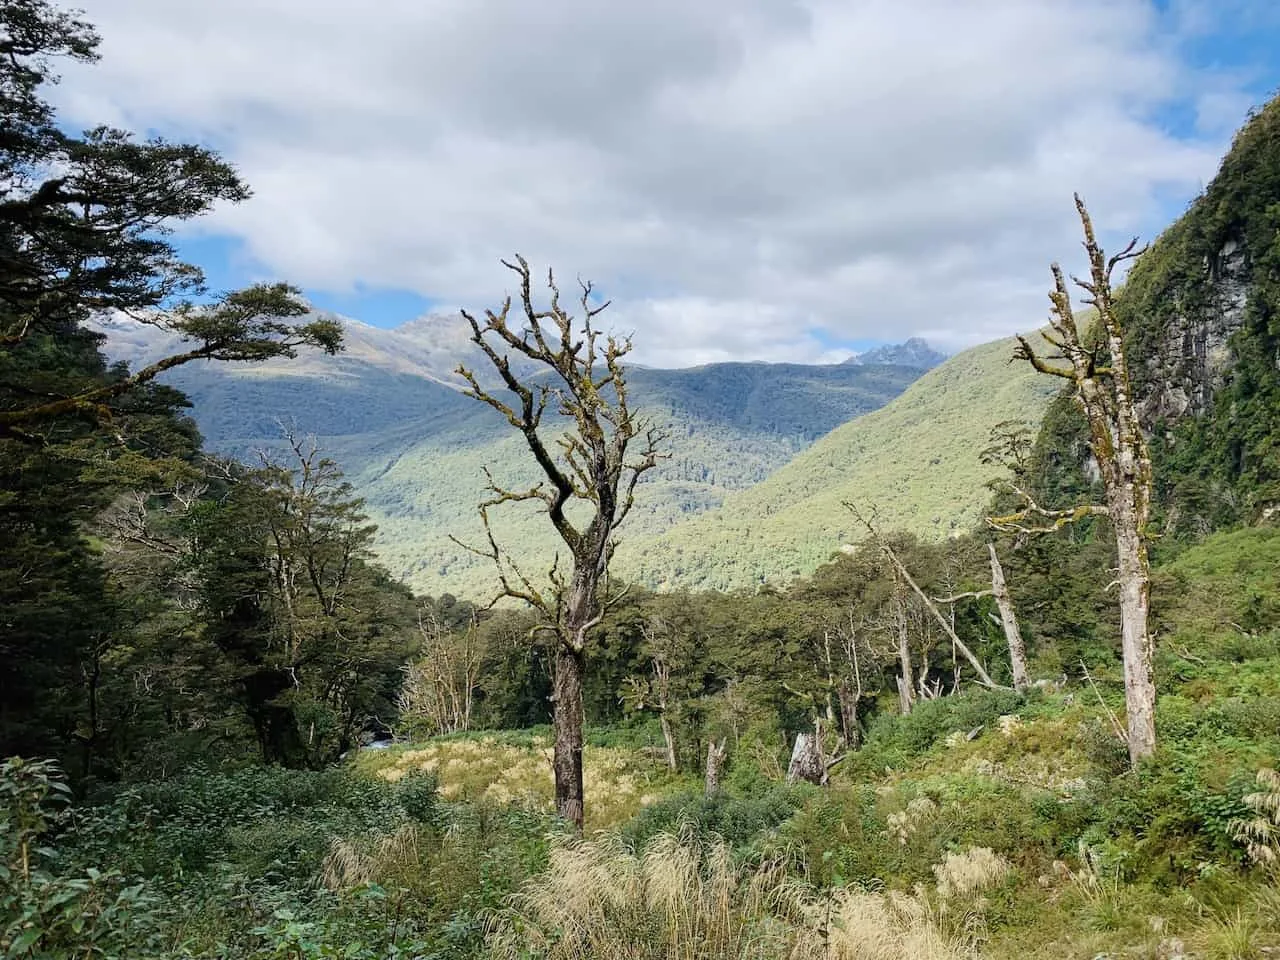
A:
x: 748, y: 179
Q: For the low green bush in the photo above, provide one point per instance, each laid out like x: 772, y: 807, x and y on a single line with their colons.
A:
x: 737, y: 818
x: 896, y: 740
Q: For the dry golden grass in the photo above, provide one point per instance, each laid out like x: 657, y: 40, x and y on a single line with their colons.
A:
x: 965, y: 874
x: 682, y: 898
x: 618, y: 783
x: 350, y: 863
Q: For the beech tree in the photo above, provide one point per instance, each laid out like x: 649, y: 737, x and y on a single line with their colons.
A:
x: 1094, y: 365
x: 85, y: 226
x: 590, y: 466
x: 310, y: 631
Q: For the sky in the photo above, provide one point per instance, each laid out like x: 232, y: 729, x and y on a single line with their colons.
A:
x: 782, y: 180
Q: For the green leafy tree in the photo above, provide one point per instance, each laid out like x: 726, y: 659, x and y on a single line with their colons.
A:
x: 311, y: 633
x: 84, y: 232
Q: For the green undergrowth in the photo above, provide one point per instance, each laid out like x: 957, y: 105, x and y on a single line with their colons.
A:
x: 416, y: 849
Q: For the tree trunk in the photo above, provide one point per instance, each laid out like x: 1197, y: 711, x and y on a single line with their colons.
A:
x: 906, y: 682
x: 273, y: 721
x: 668, y: 738
x: 850, y: 728
x: 1139, y: 683
x: 942, y: 621
x: 1009, y: 619
x: 807, y: 760
x: 567, y: 724
x: 1124, y: 463
x: 715, y: 764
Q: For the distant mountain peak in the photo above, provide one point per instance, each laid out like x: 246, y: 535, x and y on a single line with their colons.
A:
x: 916, y: 352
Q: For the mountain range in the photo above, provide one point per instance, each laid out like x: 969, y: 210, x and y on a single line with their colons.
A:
x: 761, y: 453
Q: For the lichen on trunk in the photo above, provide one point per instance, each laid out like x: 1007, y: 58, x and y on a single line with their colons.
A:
x: 588, y: 463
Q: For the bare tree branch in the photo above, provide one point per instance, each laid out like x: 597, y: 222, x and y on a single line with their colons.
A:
x: 983, y: 677
x: 581, y: 376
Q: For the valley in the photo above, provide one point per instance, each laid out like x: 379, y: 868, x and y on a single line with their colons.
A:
x: 897, y: 655
x: 760, y: 455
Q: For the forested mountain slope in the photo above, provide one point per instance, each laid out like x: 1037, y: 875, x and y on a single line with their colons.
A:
x: 1202, y: 314
x: 388, y: 409
x: 916, y: 462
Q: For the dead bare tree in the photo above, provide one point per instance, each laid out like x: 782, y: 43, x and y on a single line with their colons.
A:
x: 716, y: 753
x: 1008, y: 619
x: 655, y: 633
x: 439, y: 688
x: 1009, y: 622
x: 585, y: 384
x: 1098, y: 372
x: 853, y: 669
x: 883, y: 545
x: 899, y: 625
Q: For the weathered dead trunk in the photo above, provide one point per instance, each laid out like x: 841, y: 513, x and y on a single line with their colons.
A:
x: 1105, y: 394
x: 906, y: 680
x: 567, y: 725
x: 983, y: 677
x: 715, y: 764
x: 848, y: 697
x: 1139, y: 683
x: 662, y: 684
x: 807, y: 759
x: 668, y: 738
x: 1009, y: 620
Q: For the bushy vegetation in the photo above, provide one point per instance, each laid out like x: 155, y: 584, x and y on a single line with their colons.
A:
x: 202, y: 662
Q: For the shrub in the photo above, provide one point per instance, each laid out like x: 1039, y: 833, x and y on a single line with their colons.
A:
x: 735, y: 818
x: 895, y: 740
x: 419, y: 795
x: 48, y: 913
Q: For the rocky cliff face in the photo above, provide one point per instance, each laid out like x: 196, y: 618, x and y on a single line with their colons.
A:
x: 1189, y: 299
x: 1201, y: 312
x: 1193, y: 353
x: 1201, y: 315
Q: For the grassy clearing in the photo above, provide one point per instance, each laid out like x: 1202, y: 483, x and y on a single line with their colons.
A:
x: 515, y: 770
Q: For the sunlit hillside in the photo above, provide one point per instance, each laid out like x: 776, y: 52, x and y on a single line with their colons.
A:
x: 915, y: 462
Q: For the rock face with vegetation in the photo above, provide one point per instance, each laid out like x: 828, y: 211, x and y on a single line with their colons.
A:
x: 195, y: 649
x: 1203, y: 310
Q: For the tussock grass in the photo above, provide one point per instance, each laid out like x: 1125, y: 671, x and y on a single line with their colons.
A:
x: 682, y: 898
x: 350, y: 863
x: 1260, y: 833
x: 619, y: 782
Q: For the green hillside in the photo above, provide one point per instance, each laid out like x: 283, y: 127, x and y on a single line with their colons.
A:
x: 915, y: 461
x: 729, y: 427
x: 416, y: 449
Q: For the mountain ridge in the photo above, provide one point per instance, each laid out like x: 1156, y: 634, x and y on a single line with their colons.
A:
x: 416, y: 447
x: 913, y: 352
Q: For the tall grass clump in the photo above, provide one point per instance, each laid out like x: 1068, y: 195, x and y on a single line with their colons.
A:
x: 684, y: 896
x: 1260, y: 833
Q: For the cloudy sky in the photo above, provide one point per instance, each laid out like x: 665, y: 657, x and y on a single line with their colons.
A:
x: 747, y: 179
